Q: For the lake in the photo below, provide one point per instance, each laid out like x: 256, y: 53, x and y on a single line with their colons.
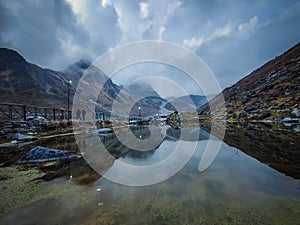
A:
x: 254, y: 179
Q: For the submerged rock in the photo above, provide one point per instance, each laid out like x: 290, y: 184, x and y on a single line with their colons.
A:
x: 291, y: 120
x: 104, y: 131
x: 41, y: 154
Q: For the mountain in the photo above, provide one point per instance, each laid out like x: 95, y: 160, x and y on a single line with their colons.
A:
x: 97, y: 80
x: 25, y: 83
x: 77, y: 69
x: 112, y: 93
x: 272, y: 92
x: 151, y: 99
x: 186, y: 103
x: 22, y: 82
x: 142, y: 89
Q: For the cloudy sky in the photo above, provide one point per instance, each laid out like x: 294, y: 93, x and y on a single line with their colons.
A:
x: 232, y: 37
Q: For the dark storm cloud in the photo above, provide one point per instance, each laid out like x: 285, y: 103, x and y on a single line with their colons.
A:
x: 5, y: 24
x: 46, y: 32
x: 232, y: 37
x: 32, y: 28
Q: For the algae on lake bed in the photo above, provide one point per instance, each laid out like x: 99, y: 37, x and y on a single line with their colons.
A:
x: 165, y: 210
x: 20, y: 186
x: 236, y: 189
x: 284, y: 212
x: 17, y: 187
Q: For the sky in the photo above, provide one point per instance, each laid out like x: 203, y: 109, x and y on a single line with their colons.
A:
x: 232, y: 37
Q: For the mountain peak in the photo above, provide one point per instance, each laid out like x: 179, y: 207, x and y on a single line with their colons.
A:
x: 10, y: 56
x: 78, y: 68
x: 83, y: 63
x: 142, y: 89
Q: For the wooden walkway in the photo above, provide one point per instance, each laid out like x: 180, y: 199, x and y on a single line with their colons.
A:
x: 11, y: 111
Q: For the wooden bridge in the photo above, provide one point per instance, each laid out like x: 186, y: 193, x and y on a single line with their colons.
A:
x: 11, y: 111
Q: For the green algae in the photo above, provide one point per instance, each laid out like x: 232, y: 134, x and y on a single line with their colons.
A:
x: 188, y: 211
x: 284, y: 212
x: 17, y: 187
x: 21, y: 186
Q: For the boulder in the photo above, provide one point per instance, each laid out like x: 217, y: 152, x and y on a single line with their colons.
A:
x: 41, y: 154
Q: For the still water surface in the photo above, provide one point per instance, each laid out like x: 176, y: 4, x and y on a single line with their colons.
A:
x: 235, y: 189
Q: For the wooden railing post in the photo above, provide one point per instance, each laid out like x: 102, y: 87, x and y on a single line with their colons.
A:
x: 54, y: 116
x: 45, y: 113
x: 35, y: 111
x: 24, y: 112
x: 10, y: 114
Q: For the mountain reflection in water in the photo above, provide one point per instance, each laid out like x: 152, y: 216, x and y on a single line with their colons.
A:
x: 274, y: 145
x: 234, y: 181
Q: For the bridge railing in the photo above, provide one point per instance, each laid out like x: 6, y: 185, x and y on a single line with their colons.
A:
x: 9, y: 111
x: 12, y: 111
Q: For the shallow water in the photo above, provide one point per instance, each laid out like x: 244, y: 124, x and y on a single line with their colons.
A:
x: 234, y: 189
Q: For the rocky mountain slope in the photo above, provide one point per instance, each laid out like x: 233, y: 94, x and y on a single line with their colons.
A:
x: 97, y: 80
x: 151, y: 98
x: 112, y: 92
x: 77, y: 69
x: 271, y: 92
x: 25, y: 83
x: 22, y: 82
x: 187, y: 103
x: 142, y: 89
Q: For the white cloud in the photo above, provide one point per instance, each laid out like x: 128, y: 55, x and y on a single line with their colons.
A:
x: 196, y: 42
x: 193, y: 43
x: 221, y: 32
x: 128, y: 21
x: 105, y: 3
x: 96, y: 20
x: 120, y: 18
x: 251, y: 24
x: 79, y: 8
x: 161, y: 31
x: 144, y: 10
x: 173, y: 6
x: 144, y: 20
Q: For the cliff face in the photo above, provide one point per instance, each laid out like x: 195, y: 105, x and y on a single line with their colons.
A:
x: 25, y: 83
x: 22, y: 82
x: 270, y: 92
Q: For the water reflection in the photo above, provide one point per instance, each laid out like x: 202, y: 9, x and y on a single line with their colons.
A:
x: 140, y: 131
x: 274, y: 145
x: 191, y: 134
x: 235, y: 179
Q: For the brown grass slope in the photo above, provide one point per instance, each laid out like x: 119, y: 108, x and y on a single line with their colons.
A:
x: 270, y: 92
